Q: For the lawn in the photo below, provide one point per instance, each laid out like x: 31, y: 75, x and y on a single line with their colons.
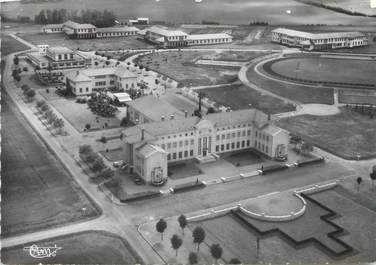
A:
x: 321, y: 69
x: 300, y: 93
x: 183, y: 170
x: 114, y: 154
x: 83, y: 248
x: 37, y: 191
x: 240, y: 97
x: 86, y: 44
x: 235, y: 56
x: 79, y: 115
x: 181, y: 67
x: 346, y: 134
x: 10, y: 45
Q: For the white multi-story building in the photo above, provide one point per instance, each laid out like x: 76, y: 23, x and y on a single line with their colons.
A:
x: 208, y: 39
x: 166, y: 38
x: 200, y: 138
x: 57, y: 58
x: 319, y: 41
x: 88, y: 81
x: 79, y: 31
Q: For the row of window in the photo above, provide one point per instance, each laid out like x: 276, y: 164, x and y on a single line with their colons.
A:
x: 101, y: 83
x: 102, y: 34
x: 210, y: 41
x: 232, y: 146
x: 262, y: 136
x: 262, y: 147
x: 234, y: 135
x: 233, y: 127
x: 180, y: 155
x: 65, y: 57
x: 167, y: 146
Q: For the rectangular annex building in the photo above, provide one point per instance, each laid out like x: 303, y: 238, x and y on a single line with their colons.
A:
x: 318, y: 41
x: 87, y: 81
x: 199, y: 138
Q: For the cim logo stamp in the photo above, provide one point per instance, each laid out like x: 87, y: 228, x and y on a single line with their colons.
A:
x: 42, y: 252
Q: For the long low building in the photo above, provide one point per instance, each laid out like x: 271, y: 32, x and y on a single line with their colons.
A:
x: 318, y: 41
x: 87, y: 81
x: 149, y: 147
x: 76, y: 30
x: 209, y: 39
x: 168, y: 38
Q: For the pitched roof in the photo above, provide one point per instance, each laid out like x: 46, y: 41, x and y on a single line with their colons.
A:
x: 76, y: 25
x: 154, y: 108
x: 78, y: 76
x: 52, y: 26
x: 60, y: 49
x: 209, y: 36
x: 166, y: 32
x: 123, y: 72
x: 155, y: 129
x: 309, y: 35
x: 118, y: 29
x: 147, y: 150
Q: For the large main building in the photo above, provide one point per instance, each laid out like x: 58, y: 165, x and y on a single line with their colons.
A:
x: 319, y: 41
x: 151, y: 146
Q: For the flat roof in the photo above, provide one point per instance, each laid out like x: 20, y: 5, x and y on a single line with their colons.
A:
x: 310, y: 35
x: 209, y: 36
x: 59, y: 49
x: 118, y: 29
x: 154, y: 108
x: 166, y: 32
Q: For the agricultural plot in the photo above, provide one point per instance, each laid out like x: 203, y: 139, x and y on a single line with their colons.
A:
x: 82, y: 248
x: 346, y: 134
x: 181, y: 67
x: 37, y: 191
x: 10, y: 45
x: 241, y: 97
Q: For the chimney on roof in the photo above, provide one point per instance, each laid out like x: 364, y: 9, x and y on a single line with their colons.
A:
x: 186, y: 114
x: 172, y: 116
x: 162, y: 118
x: 142, y: 134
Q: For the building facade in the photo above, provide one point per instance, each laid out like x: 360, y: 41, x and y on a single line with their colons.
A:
x: 166, y: 38
x: 57, y: 58
x: 87, y: 81
x: 209, y: 39
x: 318, y: 41
x: 116, y: 32
x: 79, y: 31
x: 208, y: 137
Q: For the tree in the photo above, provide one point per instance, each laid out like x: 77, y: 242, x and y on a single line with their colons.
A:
x: 193, y: 259
x: 58, y: 124
x: 107, y: 173
x: 103, y: 140
x: 91, y: 157
x: 235, y: 261
x: 124, y: 122
x: 161, y: 227
x: 306, y: 148
x: 359, y: 181
x: 182, y: 222
x: 107, y: 63
x: 210, y: 110
x: 41, y: 103
x: 176, y: 242
x: 24, y: 88
x: 45, y: 107
x: 30, y: 93
x: 48, y: 113
x: 373, y: 175
x: 51, y: 118
x: 85, y: 149
x: 87, y: 126
x: 198, y: 235
x: 216, y: 252
x: 16, y: 60
x: 98, y: 165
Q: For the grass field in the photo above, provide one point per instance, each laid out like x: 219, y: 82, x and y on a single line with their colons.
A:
x: 321, y: 69
x: 346, y: 134
x: 82, y: 248
x: 85, y: 44
x: 180, y: 66
x: 302, y: 94
x: 239, y: 97
x: 241, y: 159
x: 10, y: 45
x: 37, y: 192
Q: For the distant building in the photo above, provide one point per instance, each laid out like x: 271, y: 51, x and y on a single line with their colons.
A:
x: 150, y: 109
x: 208, y: 39
x: 58, y: 58
x: 88, y: 81
x: 165, y: 37
x: 149, y: 147
x: 139, y: 21
x: 116, y: 32
x: 318, y: 41
x: 53, y: 28
x: 79, y: 31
